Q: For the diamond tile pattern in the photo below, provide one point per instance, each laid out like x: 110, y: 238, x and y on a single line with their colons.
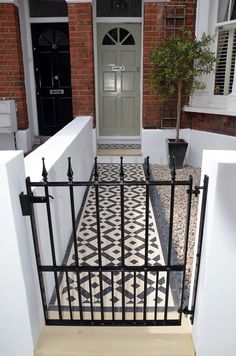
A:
x: 109, y: 284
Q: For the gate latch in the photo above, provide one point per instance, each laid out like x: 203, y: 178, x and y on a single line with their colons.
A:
x: 195, y: 191
x: 26, y: 200
x: 185, y: 310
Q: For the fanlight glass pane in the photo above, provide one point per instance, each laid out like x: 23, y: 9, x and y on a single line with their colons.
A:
x: 123, y: 33
x: 61, y: 38
x: 119, y: 8
x: 114, y: 34
x: 118, y: 35
x: 48, y: 8
x: 129, y: 41
x: 46, y: 39
x: 108, y: 41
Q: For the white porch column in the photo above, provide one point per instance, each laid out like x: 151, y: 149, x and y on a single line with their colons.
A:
x: 20, y: 309
x: 214, y: 324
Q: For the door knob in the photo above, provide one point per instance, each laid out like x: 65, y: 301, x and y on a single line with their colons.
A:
x: 56, y: 77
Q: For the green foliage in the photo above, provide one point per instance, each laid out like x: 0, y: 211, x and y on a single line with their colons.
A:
x: 181, y: 59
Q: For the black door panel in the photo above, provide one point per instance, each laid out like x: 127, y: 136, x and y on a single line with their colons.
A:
x: 52, y: 75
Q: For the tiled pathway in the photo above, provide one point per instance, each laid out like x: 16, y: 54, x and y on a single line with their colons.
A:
x: 134, y: 229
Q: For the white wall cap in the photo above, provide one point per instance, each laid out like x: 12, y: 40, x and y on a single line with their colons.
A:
x: 222, y: 156
x: 55, y: 147
x: 7, y: 156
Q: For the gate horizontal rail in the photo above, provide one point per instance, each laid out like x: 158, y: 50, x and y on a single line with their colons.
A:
x: 177, y: 268
x: 95, y: 275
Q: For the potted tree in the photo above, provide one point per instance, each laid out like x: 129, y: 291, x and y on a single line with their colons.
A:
x: 177, y: 64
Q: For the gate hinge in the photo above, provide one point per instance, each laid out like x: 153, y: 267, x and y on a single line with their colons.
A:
x: 186, y: 311
x: 26, y: 200
x: 195, y: 191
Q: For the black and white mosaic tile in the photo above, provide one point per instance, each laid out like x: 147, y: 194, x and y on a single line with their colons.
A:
x: 92, y: 284
x: 118, y: 146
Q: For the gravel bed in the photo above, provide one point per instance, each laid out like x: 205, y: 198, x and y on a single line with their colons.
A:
x: 160, y: 172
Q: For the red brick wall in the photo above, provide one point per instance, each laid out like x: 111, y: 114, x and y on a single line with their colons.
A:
x: 154, y: 34
x: 82, y: 61
x: 220, y: 124
x: 11, y: 63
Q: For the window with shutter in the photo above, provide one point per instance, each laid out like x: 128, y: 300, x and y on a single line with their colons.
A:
x: 226, y: 52
x: 226, y: 47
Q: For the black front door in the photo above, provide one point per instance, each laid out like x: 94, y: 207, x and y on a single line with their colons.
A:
x: 52, y: 75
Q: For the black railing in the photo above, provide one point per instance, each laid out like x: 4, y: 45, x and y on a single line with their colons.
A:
x: 97, y: 308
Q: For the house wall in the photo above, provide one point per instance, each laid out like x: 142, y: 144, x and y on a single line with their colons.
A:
x: 82, y: 58
x: 154, y: 33
x: 12, y: 85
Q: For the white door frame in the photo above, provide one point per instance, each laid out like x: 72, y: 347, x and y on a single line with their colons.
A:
x: 124, y: 20
x: 29, y: 62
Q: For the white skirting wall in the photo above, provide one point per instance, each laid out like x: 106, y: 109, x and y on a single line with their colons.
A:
x: 154, y: 144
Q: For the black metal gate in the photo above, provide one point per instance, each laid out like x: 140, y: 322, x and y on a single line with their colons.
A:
x: 93, y: 298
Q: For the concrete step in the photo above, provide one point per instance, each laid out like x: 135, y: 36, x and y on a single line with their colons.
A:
x: 115, y: 341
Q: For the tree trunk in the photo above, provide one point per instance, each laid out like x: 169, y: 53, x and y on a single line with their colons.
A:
x: 178, y: 109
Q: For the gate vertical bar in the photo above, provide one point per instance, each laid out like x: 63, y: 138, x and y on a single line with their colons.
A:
x: 156, y: 296
x: 200, y: 240
x: 91, y: 296
x: 69, y: 296
x: 37, y: 252
x: 70, y: 174
x: 134, y: 291
x: 45, y: 179
x: 122, y: 217
x: 96, y: 177
x: 112, y: 296
x: 172, y: 202
x: 146, y: 238
x: 189, y: 204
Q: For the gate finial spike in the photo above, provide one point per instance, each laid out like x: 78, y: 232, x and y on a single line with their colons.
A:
x: 44, y: 171
x: 121, y: 169
x: 173, y: 167
x: 70, y: 171
x: 96, y: 169
x: 147, y: 168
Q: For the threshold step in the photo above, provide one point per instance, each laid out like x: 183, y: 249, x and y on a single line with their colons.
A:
x: 115, y: 341
x: 119, y: 152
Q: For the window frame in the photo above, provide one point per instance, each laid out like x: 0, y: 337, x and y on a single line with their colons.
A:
x: 229, y: 25
x: 229, y: 12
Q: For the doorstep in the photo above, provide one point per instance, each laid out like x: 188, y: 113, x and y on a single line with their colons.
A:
x: 115, y: 341
x: 119, y: 149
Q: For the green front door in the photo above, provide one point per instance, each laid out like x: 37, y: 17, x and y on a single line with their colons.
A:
x: 119, y: 79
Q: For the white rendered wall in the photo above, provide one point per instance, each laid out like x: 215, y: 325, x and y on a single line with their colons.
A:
x: 20, y: 304
x: 7, y: 141
x: 75, y: 141
x: 23, y: 140
x: 214, y: 325
x: 21, y: 316
x: 154, y: 144
x: 200, y: 140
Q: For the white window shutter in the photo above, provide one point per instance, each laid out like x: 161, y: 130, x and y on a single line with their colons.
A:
x: 226, y: 53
